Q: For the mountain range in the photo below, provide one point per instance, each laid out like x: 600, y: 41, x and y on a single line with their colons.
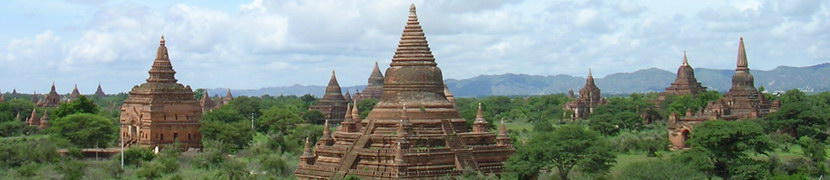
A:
x: 810, y: 79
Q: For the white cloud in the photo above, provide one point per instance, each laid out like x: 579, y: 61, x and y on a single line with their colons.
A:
x: 268, y: 43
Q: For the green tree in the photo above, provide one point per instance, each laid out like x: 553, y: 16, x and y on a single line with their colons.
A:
x: 365, y: 106
x: 278, y: 120
x: 237, y: 134
x: 80, y: 105
x: 71, y: 169
x: 85, y: 130
x: 314, y: 117
x: 658, y: 169
x: 569, y: 146
x: 815, y: 151
x: 247, y: 106
x: 729, y: 143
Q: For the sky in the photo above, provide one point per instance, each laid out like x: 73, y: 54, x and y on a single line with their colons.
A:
x: 261, y: 43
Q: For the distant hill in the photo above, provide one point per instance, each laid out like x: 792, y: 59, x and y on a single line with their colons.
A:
x: 811, y: 78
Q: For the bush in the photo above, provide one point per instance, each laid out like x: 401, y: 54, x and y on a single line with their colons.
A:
x: 134, y: 156
x: 85, y: 130
x: 657, y: 169
x: 71, y: 169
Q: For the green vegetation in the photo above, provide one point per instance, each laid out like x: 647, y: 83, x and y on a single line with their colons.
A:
x: 261, y: 138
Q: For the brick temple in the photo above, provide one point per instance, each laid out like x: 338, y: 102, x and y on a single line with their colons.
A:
x: 53, y: 99
x: 374, y: 88
x: 685, y: 83
x: 333, y: 104
x: 100, y: 91
x: 412, y: 133
x: 161, y: 111
x: 590, y: 96
x: 743, y: 101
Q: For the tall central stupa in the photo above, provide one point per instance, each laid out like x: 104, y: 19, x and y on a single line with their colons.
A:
x: 412, y: 133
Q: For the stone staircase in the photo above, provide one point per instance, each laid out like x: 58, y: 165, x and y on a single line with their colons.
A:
x: 350, y: 158
x: 462, y: 153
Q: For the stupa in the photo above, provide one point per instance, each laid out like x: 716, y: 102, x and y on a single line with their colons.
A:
x: 413, y: 132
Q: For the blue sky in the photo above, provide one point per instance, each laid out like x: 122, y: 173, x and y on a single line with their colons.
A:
x: 261, y: 43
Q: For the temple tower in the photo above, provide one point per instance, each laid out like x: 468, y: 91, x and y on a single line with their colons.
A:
x: 333, y: 104
x: 75, y: 93
x: 413, y: 132
x: 450, y: 96
x: 374, y: 88
x: 52, y: 99
x: 100, y: 91
x: 207, y: 103
x: 590, y: 97
x: 161, y: 111
x: 685, y: 83
x: 741, y: 102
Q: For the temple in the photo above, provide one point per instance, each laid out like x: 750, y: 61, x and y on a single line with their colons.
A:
x: 741, y: 102
x: 52, y: 99
x: 589, y: 98
x: 374, y: 88
x: 75, y: 94
x: 333, y: 104
x: 207, y: 103
x: 685, y: 83
x: 228, y: 97
x: 161, y: 111
x: 100, y: 91
x: 412, y: 133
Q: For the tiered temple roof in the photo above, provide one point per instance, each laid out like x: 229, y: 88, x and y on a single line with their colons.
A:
x: 333, y: 104
x: 742, y: 101
x: 590, y: 97
x: 207, y: 103
x: 100, y: 91
x: 161, y: 111
x: 52, y: 99
x: 450, y: 96
x: 374, y: 88
x: 412, y: 133
x: 75, y: 93
x: 685, y: 83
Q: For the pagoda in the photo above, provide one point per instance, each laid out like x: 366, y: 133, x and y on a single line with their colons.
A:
x: 333, y: 104
x: 207, y: 103
x: 100, y: 91
x: 589, y: 98
x: 33, y: 120
x: 161, y: 111
x: 52, y: 99
x: 741, y: 102
x: 685, y: 83
x: 75, y: 94
x: 374, y: 88
x: 412, y: 133
x: 348, y: 97
x: 228, y: 97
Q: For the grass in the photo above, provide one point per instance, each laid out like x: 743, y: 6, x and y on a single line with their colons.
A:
x: 519, y: 126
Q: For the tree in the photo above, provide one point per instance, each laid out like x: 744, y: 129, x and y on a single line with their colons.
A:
x: 569, y: 146
x: 314, y: 117
x: 85, y: 130
x: 815, y: 151
x: 278, y: 120
x: 365, y: 106
x: 247, y: 106
x: 80, y: 105
x: 729, y: 143
x: 237, y: 134
x: 658, y: 169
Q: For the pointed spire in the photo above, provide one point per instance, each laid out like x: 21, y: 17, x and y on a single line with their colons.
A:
x: 75, y: 93
x: 32, y: 118
x: 479, y: 115
x: 376, y: 78
x: 502, y: 139
x: 53, y: 88
x: 413, y: 47
x: 589, y: 81
x: 743, y: 65
x: 685, y: 60
x: 44, y: 121
x: 307, y: 149
x: 348, y: 116
x: 162, y: 70
x: 228, y: 96
x: 348, y: 96
x: 355, y: 112
x: 326, y: 139
x: 100, y: 91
